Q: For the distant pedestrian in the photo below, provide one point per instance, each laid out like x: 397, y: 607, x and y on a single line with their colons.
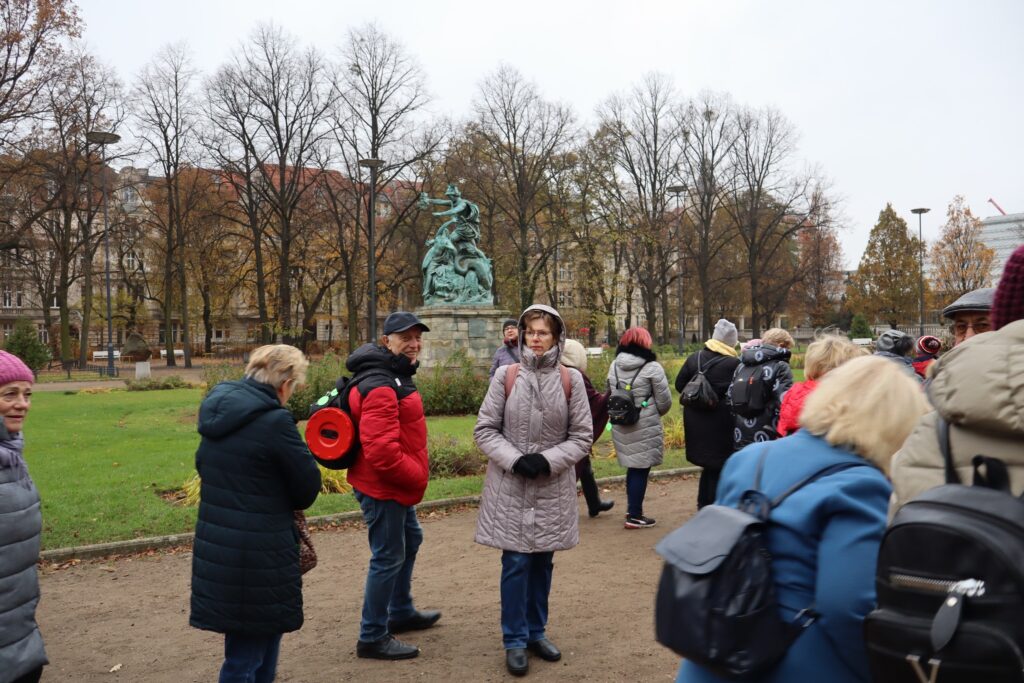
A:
x: 709, y: 433
x: 22, y: 655
x: 255, y: 472
x: 639, y: 446
x: 896, y: 346
x: 761, y: 380
x: 928, y: 348
x: 533, y: 434
x: 575, y: 356
x: 823, y: 355
x: 508, y: 352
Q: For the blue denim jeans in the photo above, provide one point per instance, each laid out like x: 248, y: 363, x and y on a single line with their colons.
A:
x: 250, y: 659
x: 395, y: 536
x: 636, y: 489
x: 525, y: 586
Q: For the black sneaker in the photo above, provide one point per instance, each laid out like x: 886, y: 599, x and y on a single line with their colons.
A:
x: 639, y: 522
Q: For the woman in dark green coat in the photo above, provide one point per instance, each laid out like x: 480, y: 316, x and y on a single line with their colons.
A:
x: 256, y: 471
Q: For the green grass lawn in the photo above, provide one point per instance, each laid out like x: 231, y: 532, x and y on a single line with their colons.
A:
x: 101, y: 461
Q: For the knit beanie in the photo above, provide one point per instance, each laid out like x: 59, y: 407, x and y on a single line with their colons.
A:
x: 509, y: 323
x: 928, y: 344
x: 574, y: 355
x: 725, y: 332
x: 1008, y: 305
x: 12, y: 369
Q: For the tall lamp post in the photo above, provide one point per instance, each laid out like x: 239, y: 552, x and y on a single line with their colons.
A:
x: 920, y: 262
x: 373, y: 165
x: 678, y: 191
x: 101, y: 139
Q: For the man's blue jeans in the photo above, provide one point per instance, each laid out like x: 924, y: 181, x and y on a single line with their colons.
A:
x: 395, y: 536
x: 525, y: 586
x: 250, y: 659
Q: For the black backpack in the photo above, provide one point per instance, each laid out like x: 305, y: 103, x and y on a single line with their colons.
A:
x: 749, y: 392
x: 950, y: 583
x: 622, y: 407
x: 716, y: 603
x: 698, y: 392
x: 338, y: 397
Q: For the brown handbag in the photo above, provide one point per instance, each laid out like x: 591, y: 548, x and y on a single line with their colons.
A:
x: 307, y: 553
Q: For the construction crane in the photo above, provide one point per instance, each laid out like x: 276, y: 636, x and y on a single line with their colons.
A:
x: 998, y: 208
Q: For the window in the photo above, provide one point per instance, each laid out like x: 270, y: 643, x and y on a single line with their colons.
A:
x: 44, y: 334
x: 6, y: 329
x: 220, y: 334
x: 564, y: 273
x: 53, y: 302
x: 175, y: 333
x: 19, y: 299
x: 7, y: 299
x: 132, y: 262
x: 565, y: 299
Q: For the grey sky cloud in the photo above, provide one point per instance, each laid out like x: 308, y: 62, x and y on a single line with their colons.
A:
x: 909, y: 102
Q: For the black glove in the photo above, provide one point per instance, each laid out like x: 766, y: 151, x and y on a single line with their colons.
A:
x: 532, y: 465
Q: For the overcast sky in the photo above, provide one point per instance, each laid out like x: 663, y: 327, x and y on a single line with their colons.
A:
x: 896, y: 101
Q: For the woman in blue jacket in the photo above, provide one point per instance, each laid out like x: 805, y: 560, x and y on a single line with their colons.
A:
x: 256, y: 471
x: 824, y: 538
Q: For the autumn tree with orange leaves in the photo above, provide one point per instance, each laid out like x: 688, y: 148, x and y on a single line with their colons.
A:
x: 961, y: 262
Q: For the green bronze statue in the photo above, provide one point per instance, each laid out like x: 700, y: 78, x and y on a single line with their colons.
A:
x: 455, y: 271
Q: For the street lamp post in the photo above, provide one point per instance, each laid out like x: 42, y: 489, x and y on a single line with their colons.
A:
x: 920, y: 262
x: 678, y: 191
x: 373, y: 165
x: 102, y: 139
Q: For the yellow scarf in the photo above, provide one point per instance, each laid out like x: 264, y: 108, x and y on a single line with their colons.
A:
x: 721, y: 347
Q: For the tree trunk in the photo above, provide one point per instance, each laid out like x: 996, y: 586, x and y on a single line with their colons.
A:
x: 207, y: 321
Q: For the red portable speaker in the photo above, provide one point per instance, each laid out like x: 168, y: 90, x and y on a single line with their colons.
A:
x: 330, y: 435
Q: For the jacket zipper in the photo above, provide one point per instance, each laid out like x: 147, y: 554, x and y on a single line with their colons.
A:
x: 967, y: 587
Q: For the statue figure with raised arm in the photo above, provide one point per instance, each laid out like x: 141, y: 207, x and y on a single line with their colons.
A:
x: 455, y: 271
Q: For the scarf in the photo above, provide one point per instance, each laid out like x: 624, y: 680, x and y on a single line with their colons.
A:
x: 720, y: 347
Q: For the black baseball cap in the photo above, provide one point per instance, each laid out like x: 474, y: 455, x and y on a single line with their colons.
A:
x: 400, y: 321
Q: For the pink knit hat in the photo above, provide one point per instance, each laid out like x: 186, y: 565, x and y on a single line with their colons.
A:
x: 12, y: 369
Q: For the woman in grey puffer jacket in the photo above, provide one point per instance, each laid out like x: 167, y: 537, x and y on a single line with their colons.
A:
x: 640, y: 446
x: 532, y: 437
x: 22, y: 656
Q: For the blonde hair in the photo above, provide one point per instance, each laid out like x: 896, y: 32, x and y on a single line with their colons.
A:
x: 275, y: 364
x: 869, y: 405
x: 777, y: 336
x: 827, y: 353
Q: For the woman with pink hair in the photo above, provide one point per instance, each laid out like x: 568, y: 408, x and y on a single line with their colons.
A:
x: 641, y: 445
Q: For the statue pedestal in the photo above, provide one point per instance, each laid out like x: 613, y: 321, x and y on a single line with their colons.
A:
x: 474, y: 330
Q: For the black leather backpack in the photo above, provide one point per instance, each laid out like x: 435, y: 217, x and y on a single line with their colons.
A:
x: 950, y: 583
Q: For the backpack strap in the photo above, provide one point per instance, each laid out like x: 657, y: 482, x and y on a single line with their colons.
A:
x: 513, y: 372
x: 942, y: 432
x: 510, y: 377
x: 629, y: 387
x: 755, y: 502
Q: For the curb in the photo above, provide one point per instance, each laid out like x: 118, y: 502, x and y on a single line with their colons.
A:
x: 138, y: 545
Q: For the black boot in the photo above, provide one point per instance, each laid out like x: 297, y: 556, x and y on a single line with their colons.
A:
x: 591, y: 494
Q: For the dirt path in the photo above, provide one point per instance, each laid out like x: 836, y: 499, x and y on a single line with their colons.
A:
x: 133, y: 613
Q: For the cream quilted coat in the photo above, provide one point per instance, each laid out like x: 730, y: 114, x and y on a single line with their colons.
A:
x: 532, y: 515
x: 978, y: 387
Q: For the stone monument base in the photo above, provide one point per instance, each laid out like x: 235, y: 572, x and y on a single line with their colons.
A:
x: 474, y: 330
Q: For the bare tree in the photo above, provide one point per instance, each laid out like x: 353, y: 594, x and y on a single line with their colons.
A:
x: 708, y: 142
x: 648, y: 134
x: 379, y: 114
x: 166, y: 113
x: 523, y: 137
x: 769, y: 205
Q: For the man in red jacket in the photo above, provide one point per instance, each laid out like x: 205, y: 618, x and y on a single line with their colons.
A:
x: 389, y: 479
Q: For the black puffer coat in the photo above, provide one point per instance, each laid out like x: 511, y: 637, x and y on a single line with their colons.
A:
x: 255, y: 472
x: 709, y: 433
x: 778, y: 378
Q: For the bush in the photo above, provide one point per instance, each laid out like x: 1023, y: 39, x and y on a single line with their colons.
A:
x: 153, y: 384
x: 674, y: 435
x: 215, y: 373
x: 452, y: 388
x: 452, y: 457
x: 24, y: 343
x: 666, y: 351
x: 860, y: 329
x: 331, y: 481
x: 320, y: 378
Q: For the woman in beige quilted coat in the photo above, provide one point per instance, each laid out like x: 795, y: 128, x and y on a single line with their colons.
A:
x: 532, y: 436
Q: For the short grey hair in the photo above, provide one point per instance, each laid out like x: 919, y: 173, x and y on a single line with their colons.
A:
x: 275, y: 364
